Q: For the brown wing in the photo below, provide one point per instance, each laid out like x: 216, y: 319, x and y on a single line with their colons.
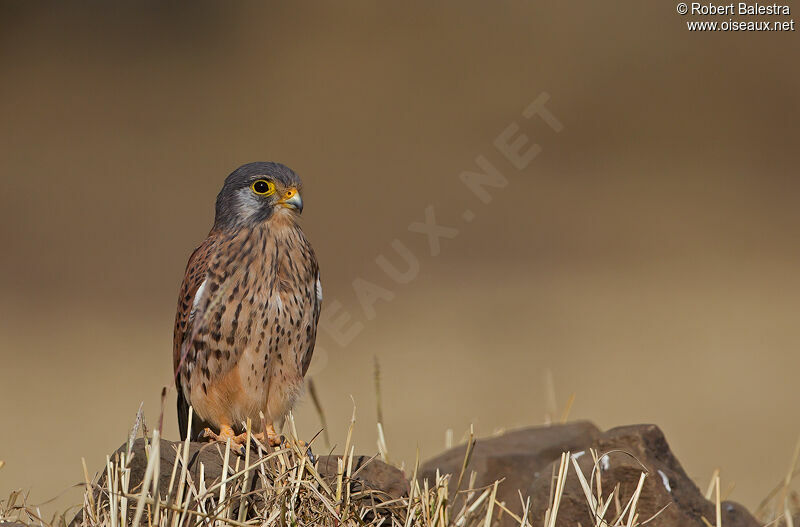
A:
x: 317, y: 305
x: 195, y: 275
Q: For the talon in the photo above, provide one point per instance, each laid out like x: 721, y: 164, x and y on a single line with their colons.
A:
x: 225, y: 433
x: 257, y: 439
x: 273, y: 439
x: 303, y: 445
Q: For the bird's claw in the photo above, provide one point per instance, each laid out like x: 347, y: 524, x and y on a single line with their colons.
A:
x: 271, y: 439
x: 301, y: 445
x: 225, y: 433
x: 238, y: 442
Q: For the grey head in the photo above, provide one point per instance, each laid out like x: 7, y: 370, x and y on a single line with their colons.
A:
x: 255, y: 192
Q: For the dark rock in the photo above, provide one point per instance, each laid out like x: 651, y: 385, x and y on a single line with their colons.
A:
x: 637, y: 449
x: 516, y: 456
x: 736, y: 515
x: 372, y: 473
x: 528, y: 458
x: 210, y: 455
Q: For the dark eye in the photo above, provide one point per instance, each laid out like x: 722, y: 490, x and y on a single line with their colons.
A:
x: 262, y: 187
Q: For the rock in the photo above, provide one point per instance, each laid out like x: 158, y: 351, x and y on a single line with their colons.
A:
x: 372, y: 473
x: 736, y: 515
x: 527, y: 459
x: 210, y: 455
x: 519, y: 456
x: 666, y: 483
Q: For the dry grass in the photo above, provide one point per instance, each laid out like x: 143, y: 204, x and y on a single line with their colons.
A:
x: 290, y: 491
x: 282, y: 487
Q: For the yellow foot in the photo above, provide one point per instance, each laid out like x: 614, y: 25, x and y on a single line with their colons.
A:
x: 261, y: 437
x: 270, y: 437
x: 225, y: 433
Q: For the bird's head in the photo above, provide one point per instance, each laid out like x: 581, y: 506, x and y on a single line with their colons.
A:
x: 256, y: 192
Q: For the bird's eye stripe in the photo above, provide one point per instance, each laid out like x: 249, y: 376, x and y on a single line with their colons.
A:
x: 262, y: 187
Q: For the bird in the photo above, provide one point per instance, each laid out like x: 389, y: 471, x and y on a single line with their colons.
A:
x: 248, y: 309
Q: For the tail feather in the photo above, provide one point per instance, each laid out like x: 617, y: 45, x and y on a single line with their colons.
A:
x: 198, y: 424
x: 183, y: 415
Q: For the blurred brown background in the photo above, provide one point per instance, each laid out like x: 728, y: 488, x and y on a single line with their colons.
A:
x: 647, y: 257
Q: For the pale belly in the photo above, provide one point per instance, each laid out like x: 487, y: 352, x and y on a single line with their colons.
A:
x: 264, y: 372
x: 248, y: 390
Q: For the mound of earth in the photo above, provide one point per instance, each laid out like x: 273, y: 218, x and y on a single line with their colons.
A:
x: 527, y: 459
x: 525, y: 462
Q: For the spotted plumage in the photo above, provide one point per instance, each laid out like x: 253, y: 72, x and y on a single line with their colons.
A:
x: 248, y: 306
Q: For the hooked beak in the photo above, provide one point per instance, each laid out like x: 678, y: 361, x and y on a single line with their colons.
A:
x: 292, y: 200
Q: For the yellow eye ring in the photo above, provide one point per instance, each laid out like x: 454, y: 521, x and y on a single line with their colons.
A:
x: 262, y: 187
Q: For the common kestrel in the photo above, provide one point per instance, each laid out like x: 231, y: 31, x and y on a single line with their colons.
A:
x: 248, y: 309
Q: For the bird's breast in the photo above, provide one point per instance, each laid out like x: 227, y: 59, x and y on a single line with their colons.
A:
x: 258, y: 324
